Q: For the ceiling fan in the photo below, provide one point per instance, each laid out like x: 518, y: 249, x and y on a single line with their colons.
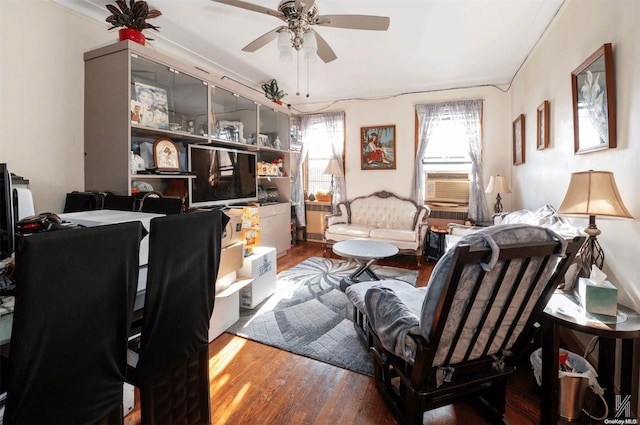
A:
x: 299, y: 16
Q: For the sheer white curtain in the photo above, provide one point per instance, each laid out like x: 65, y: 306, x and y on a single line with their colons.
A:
x: 334, y: 127
x: 467, y: 115
x: 297, y: 188
x: 334, y: 123
x: 428, y: 118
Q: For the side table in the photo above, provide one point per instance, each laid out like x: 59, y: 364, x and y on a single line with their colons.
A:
x: 435, y: 243
x: 563, y: 311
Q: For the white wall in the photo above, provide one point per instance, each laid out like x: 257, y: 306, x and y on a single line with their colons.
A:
x: 581, y: 27
x: 400, y: 111
x: 42, y: 96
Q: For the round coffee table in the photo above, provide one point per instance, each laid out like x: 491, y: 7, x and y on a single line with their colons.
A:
x: 365, y: 253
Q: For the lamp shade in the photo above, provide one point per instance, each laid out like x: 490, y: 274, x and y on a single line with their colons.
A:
x: 498, y: 184
x: 309, y: 42
x: 593, y: 193
x: 333, y: 168
x: 284, y: 40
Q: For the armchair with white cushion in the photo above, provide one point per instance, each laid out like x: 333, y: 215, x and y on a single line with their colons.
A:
x: 463, y: 334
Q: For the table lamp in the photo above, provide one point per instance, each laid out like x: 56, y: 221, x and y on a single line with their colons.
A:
x: 498, y: 184
x: 593, y: 193
x: 333, y: 168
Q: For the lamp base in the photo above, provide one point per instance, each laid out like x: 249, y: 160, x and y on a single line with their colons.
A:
x: 497, y: 208
x: 591, y: 253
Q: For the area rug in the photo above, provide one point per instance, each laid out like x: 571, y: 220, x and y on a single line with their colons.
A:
x: 310, y: 316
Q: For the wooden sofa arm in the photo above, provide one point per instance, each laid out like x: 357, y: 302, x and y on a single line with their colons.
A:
x: 338, y: 217
x: 330, y: 219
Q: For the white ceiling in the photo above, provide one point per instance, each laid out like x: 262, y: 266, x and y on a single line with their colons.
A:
x: 430, y: 44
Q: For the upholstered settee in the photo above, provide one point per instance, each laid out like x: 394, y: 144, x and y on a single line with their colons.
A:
x: 381, y: 216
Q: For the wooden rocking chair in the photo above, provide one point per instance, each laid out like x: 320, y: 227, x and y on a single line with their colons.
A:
x: 477, y: 318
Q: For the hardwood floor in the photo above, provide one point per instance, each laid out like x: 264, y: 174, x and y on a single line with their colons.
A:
x: 252, y: 383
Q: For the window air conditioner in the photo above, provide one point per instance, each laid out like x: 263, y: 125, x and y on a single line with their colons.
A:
x: 447, y: 187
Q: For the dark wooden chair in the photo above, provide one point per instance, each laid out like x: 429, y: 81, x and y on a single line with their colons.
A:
x: 476, y: 320
x: 172, y: 372
x: 75, y: 291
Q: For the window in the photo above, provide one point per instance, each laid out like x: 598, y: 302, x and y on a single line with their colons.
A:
x: 448, y: 149
x: 318, y: 155
x: 447, y: 164
x: 450, y: 142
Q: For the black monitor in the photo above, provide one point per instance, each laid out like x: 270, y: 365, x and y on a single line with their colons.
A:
x: 223, y: 176
x: 7, y: 214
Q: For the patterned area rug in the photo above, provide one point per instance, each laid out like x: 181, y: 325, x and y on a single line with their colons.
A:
x: 310, y: 316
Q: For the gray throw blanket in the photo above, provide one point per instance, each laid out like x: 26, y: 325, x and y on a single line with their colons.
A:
x: 392, y: 321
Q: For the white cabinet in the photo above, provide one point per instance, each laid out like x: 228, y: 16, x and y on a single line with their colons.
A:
x: 135, y: 95
x: 125, y: 82
x: 275, y: 227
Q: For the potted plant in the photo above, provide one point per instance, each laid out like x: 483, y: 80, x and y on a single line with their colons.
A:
x: 323, y: 196
x: 272, y: 92
x: 133, y: 17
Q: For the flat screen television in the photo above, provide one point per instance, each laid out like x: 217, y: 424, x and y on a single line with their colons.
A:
x: 223, y: 176
x: 7, y: 214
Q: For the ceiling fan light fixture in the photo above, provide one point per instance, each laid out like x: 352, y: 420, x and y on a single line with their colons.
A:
x: 299, y: 16
x: 286, y: 55
x: 310, y: 57
x: 284, y: 41
x: 309, y: 42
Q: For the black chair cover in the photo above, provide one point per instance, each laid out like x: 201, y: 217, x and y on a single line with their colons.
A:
x: 83, y: 201
x: 119, y: 202
x: 75, y: 291
x: 166, y: 206
x: 172, y: 372
x: 184, y: 256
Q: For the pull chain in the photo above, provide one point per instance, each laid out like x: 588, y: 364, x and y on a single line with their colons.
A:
x: 298, y: 73
x: 308, y: 65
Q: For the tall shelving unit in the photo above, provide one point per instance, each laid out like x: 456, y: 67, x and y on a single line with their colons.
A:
x: 191, y: 105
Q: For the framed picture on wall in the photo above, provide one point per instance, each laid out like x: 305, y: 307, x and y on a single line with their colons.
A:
x: 594, y: 102
x: 378, y: 147
x: 542, y: 132
x: 518, y: 140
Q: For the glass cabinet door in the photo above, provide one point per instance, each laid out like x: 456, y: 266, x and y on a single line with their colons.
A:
x: 233, y: 117
x: 274, y: 128
x: 165, y: 98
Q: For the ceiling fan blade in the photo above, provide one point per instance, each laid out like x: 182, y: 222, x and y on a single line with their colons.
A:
x: 261, y: 41
x: 325, y: 52
x: 252, y: 7
x: 356, y: 22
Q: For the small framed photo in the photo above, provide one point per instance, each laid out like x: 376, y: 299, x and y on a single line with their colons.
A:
x: 263, y: 141
x: 543, y: 126
x: 165, y: 155
x: 594, y: 102
x: 378, y: 147
x: 518, y: 140
x: 150, y: 104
